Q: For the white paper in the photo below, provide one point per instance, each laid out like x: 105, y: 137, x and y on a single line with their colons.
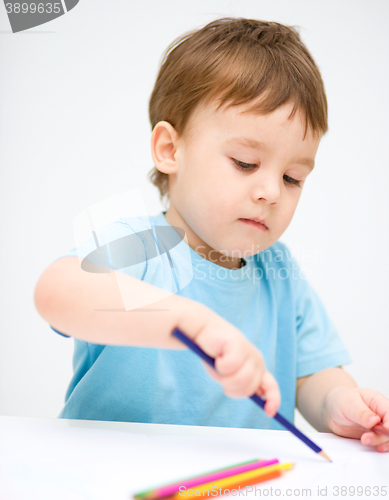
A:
x: 50, y: 459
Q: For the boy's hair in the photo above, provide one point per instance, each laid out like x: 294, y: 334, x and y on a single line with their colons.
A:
x: 236, y: 61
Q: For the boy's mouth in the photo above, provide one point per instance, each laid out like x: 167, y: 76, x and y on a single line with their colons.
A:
x: 260, y: 224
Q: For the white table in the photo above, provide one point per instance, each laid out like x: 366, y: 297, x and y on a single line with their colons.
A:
x: 53, y: 459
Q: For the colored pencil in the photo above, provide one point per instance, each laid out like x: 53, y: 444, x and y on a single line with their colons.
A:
x: 170, y: 489
x: 259, y: 401
x: 239, y: 480
x: 146, y: 493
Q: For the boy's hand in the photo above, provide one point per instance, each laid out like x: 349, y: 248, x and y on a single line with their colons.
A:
x: 352, y: 411
x: 239, y: 365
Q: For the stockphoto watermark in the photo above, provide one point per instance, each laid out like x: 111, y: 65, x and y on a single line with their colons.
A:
x: 317, y: 491
x: 250, y: 273
x: 115, y: 235
x: 267, y: 255
x: 29, y: 14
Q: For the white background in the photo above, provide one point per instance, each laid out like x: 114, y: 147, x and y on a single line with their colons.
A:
x: 74, y: 131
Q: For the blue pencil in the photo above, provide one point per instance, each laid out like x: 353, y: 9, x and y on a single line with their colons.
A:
x: 259, y: 401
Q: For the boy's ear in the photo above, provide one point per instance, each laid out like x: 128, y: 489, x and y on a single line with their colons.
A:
x: 164, y: 141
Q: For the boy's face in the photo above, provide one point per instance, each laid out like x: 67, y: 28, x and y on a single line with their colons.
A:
x: 231, y: 166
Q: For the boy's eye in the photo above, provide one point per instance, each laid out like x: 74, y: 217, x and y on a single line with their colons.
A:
x: 245, y: 166
x: 291, y: 181
x: 251, y: 166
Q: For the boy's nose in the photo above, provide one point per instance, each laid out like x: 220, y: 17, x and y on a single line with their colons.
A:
x: 267, y: 187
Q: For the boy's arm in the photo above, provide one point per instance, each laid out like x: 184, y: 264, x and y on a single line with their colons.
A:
x: 331, y: 401
x: 89, y: 306
x: 69, y: 299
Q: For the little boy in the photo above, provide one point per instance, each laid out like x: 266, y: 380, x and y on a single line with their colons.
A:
x: 237, y: 112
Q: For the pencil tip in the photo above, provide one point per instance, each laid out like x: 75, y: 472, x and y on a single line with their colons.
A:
x: 324, y: 455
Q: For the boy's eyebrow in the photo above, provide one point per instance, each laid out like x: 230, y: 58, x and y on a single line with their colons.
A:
x: 254, y: 144
x: 247, y: 142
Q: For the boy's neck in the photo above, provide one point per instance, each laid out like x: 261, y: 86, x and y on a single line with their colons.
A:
x: 171, y: 215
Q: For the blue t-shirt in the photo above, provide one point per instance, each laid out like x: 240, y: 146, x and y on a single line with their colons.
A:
x: 268, y: 299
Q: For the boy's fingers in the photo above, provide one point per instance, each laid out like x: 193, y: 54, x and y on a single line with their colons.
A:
x: 271, y: 393
x: 377, y: 437
x: 234, y: 358
x: 374, y: 410
x: 359, y: 413
x: 378, y: 404
x: 373, y: 439
x: 243, y: 382
x: 383, y: 448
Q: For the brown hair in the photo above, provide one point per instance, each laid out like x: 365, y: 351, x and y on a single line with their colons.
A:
x: 236, y: 61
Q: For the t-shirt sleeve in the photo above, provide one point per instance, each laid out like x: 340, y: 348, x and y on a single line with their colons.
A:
x: 319, y: 345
